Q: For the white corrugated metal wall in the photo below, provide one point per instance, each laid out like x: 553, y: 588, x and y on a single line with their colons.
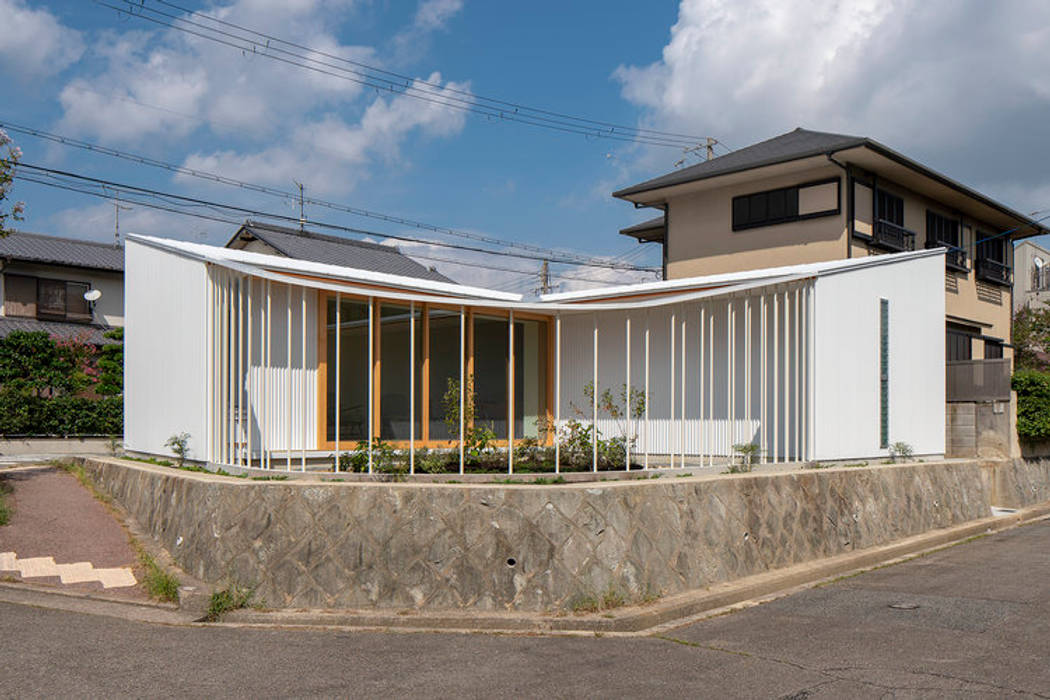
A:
x: 732, y: 393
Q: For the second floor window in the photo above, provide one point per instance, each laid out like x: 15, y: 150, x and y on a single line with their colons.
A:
x: 941, y: 229
x: 38, y: 297
x: 889, y: 207
x: 765, y: 208
x: 991, y: 247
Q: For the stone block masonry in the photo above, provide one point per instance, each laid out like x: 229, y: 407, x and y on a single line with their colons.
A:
x: 537, y: 548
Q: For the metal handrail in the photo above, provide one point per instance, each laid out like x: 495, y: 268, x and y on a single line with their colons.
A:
x: 893, y: 236
x: 993, y: 271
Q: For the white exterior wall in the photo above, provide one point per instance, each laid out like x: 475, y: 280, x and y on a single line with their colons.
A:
x: 165, y: 350
x: 846, y: 359
x: 281, y: 410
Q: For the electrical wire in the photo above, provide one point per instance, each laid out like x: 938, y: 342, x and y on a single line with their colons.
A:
x: 285, y: 194
x: 110, y: 189
x: 409, y: 88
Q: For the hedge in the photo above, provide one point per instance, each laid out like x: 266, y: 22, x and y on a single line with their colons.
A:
x: 1033, y: 404
x: 25, y: 414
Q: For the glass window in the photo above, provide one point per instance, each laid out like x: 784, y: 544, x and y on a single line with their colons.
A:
x: 490, y: 374
x: 352, y: 368
x: 765, y: 208
x: 444, y: 370
x: 530, y: 377
x: 395, y: 385
x: 51, y: 298
x: 890, y: 208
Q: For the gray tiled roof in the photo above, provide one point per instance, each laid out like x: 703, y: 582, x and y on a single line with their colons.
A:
x: 88, y: 332
x: 651, y: 230
x: 335, y: 250
x: 793, y: 145
x: 62, y: 251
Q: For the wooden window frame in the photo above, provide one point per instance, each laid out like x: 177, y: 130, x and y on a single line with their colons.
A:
x: 323, y: 297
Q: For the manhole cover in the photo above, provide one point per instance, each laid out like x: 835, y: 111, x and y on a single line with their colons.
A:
x: 904, y: 606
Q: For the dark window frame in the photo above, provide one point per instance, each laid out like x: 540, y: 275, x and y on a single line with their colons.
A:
x: 70, y: 290
x: 898, y: 207
x: 788, y: 218
x: 944, y: 230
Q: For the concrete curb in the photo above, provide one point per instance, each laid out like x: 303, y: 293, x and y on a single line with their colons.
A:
x: 91, y: 604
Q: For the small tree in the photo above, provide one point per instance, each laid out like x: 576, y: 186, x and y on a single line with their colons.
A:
x: 180, y: 445
x: 10, y: 154
x: 476, y: 437
x: 1031, y: 339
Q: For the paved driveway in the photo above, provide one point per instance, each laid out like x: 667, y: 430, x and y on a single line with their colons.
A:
x: 971, y: 621
x: 60, y: 535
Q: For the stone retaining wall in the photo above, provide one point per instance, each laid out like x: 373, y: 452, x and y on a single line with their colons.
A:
x: 534, y: 548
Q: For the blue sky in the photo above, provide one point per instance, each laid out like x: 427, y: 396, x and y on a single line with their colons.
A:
x: 914, y: 75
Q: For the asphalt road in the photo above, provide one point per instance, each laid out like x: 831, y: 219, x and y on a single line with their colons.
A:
x: 969, y: 621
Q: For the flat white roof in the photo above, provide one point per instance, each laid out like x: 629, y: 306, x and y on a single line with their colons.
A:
x: 336, y: 278
x: 729, y: 278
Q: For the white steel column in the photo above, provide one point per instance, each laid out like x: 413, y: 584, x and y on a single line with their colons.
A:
x: 462, y: 387
x: 729, y: 379
x: 798, y: 377
x: 681, y: 414
x: 627, y: 398
x: 238, y: 385
x: 557, y: 394
x: 265, y: 434
x: 763, y: 383
x: 371, y: 378
x: 251, y: 360
x: 747, y: 370
x: 229, y: 367
x: 411, y: 387
x: 670, y: 384
x: 338, y: 368
x: 594, y: 402
x: 711, y: 376
x: 646, y: 463
x: 776, y: 377
x: 787, y: 377
x: 510, y: 393
x: 288, y: 379
x: 702, y: 367
x: 302, y: 376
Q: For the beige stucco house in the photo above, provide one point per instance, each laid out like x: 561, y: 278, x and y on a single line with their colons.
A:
x: 808, y: 196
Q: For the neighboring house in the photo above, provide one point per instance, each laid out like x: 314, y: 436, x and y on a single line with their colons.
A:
x: 1032, y: 275
x: 43, y: 280
x: 258, y: 237
x: 274, y: 362
x: 808, y: 196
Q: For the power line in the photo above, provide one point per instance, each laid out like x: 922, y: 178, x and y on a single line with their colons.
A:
x: 408, y: 86
x: 109, y: 188
x: 286, y: 194
x: 402, y: 77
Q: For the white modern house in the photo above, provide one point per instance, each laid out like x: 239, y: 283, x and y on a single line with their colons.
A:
x: 277, y: 363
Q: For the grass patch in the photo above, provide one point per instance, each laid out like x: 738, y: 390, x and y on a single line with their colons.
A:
x: 227, y: 600
x: 611, y: 599
x: 276, y: 478
x: 158, y: 582
x: 5, y: 507
x: 150, y: 460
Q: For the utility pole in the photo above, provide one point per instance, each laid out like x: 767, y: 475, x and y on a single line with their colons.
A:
x: 116, y: 222
x: 545, y: 278
x: 302, y: 216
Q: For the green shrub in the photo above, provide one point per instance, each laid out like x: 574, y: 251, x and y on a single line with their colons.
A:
x: 1033, y: 404
x: 24, y: 413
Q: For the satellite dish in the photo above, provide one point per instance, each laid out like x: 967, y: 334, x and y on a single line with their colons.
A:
x: 93, y: 294
x: 1038, y: 262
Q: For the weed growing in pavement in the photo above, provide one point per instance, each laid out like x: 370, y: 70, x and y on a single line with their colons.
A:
x: 5, y: 507
x: 158, y: 582
x: 611, y: 599
x: 227, y: 600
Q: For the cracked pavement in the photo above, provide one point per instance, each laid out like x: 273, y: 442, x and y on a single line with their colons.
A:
x: 972, y: 620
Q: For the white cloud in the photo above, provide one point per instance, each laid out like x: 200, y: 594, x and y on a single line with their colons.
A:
x: 33, y: 42
x: 329, y: 155
x: 95, y: 222
x: 961, y: 84
x: 431, y: 16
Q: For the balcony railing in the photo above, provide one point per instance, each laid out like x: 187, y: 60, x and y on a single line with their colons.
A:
x: 978, y: 380
x: 955, y: 258
x: 993, y: 271
x: 890, y: 235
